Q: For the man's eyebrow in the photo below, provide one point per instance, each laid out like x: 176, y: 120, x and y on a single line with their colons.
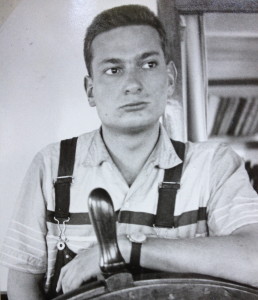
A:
x: 120, y: 61
x: 148, y: 54
x: 111, y: 61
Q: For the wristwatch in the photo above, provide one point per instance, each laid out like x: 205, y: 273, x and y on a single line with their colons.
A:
x: 137, y: 240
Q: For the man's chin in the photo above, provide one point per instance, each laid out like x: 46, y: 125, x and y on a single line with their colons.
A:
x: 137, y: 127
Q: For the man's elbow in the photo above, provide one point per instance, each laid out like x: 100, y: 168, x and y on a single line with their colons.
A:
x: 248, y: 259
x: 252, y: 273
x: 249, y: 269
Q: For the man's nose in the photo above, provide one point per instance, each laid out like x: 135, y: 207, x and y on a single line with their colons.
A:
x: 133, y: 84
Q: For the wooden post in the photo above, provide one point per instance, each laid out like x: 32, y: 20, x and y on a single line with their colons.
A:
x: 175, y: 118
x: 170, y: 18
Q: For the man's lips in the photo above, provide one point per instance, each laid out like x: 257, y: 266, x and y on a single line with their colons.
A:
x: 134, y: 105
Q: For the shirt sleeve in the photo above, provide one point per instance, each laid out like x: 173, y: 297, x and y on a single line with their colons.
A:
x: 233, y: 201
x: 24, y: 248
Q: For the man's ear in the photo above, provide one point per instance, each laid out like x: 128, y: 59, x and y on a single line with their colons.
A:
x: 172, y: 75
x: 88, y: 85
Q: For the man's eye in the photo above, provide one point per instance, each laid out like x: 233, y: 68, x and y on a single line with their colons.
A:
x: 113, y: 71
x: 149, y: 65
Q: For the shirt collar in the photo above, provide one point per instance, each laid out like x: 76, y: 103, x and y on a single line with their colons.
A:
x: 97, y: 151
x: 163, y: 155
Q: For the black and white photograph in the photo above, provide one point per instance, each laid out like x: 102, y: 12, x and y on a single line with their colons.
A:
x: 128, y: 149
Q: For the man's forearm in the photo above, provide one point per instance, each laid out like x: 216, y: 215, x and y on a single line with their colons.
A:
x: 25, y: 286
x: 233, y: 257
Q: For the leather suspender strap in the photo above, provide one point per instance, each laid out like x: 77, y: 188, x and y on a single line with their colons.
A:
x: 135, y: 254
x: 168, y: 190
x: 64, y: 178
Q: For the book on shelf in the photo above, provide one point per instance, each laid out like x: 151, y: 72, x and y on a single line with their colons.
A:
x: 229, y: 114
x: 250, y: 118
x: 213, y: 105
x: 234, y: 116
x: 255, y: 129
x: 243, y: 117
x: 219, y: 116
x: 237, y: 115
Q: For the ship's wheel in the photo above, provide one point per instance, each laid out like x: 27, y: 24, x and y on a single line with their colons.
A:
x: 119, y: 283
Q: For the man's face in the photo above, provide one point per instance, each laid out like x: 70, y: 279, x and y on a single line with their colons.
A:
x: 130, y: 79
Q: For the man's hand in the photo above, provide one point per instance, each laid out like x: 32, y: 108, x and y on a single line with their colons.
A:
x: 86, y: 265
x: 82, y: 268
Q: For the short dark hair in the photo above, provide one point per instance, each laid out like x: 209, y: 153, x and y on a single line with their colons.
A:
x: 125, y: 15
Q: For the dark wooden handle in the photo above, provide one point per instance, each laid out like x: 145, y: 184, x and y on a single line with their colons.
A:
x: 103, y: 219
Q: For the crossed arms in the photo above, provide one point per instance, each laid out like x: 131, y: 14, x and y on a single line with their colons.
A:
x: 233, y: 257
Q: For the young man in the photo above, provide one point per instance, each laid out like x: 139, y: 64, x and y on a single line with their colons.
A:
x: 215, y: 226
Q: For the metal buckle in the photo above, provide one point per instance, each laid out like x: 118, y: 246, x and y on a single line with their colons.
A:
x: 169, y: 185
x: 62, y: 238
x: 68, y: 179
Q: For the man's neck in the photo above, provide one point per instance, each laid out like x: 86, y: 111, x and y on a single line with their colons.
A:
x: 130, y: 151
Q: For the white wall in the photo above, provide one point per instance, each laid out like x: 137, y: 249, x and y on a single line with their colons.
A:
x: 42, y: 99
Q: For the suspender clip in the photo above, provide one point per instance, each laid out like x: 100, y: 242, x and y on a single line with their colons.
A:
x: 169, y: 185
x: 62, y: 236
x: 63, y: 179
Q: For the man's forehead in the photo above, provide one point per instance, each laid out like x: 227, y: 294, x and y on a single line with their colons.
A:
x: 119, y: 30
x: 126, y: 40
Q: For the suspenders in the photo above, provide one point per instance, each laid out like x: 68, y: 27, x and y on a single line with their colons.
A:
x: 167, y: 189
x: 64, y: 179
x: 165, y: 211
x: 61, y: 214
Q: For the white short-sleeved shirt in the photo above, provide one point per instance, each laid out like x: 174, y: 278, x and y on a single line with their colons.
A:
x: 215, y: 199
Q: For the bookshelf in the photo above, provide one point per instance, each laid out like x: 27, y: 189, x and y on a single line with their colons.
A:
x: 234, y: 120
x: 218, y: 48
x: 232, y: 102
x: 235, y: 116
x: 231, y: 40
